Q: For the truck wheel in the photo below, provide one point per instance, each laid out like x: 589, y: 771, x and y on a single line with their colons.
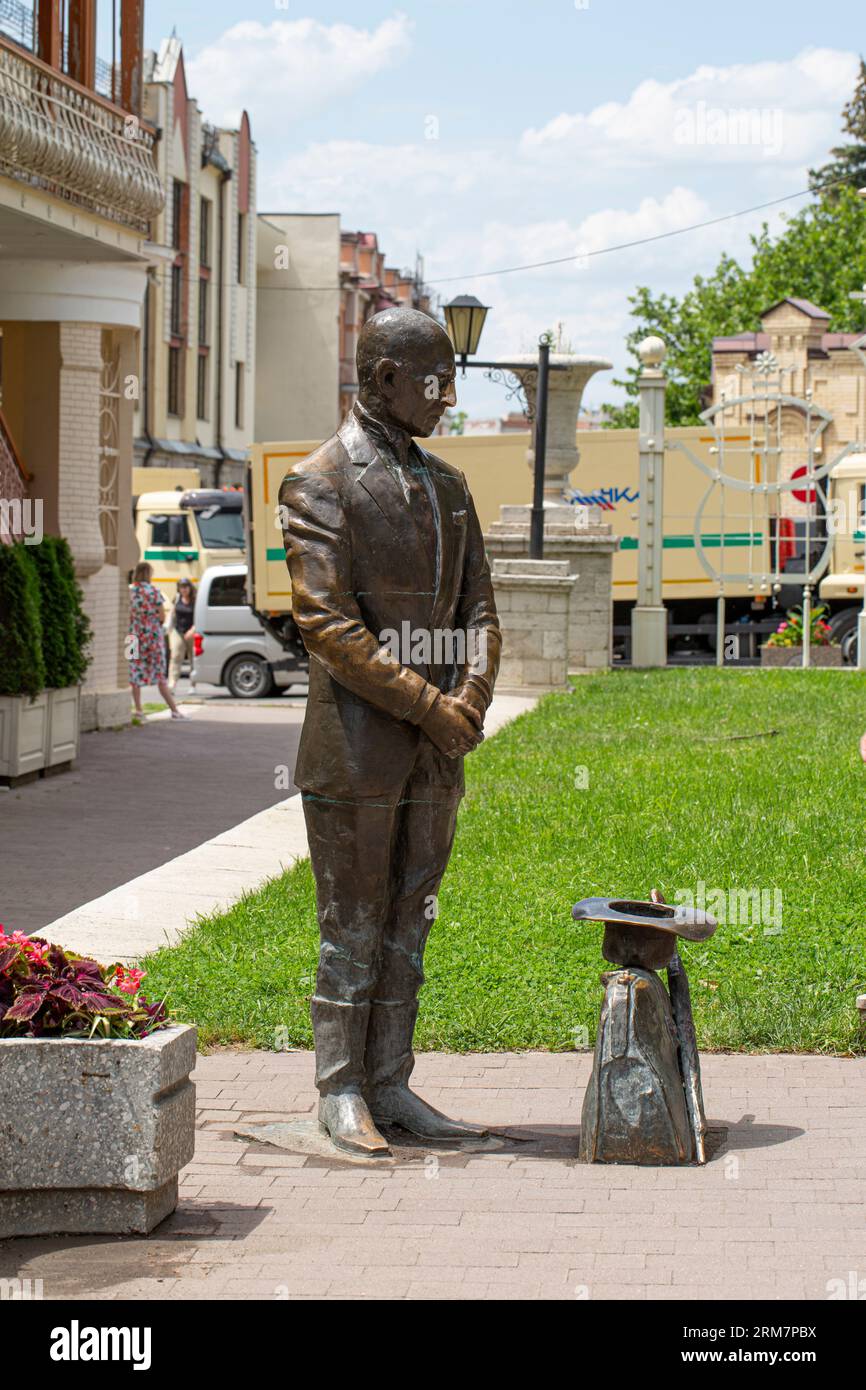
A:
x: 843, y: 629
x: 248, y: 678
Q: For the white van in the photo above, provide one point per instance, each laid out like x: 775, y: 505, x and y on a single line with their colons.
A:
x: 231, y: 647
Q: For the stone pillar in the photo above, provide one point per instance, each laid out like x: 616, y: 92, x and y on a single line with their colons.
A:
x: 533, y: 599
x: 78, y: 444
x: 649, y: 618
x: 105, y: 698
x: 73, y: 426
x: 576, y: 537
x: 564, y: 395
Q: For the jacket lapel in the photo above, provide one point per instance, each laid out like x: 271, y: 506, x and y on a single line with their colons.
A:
x: 446, y: 495
x: 447, y: 499
x: 375, y: 477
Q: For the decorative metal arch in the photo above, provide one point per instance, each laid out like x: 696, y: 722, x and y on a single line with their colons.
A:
x: 768, y: 446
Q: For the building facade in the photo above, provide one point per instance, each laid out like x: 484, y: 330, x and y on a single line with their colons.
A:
x: 198, y: 346
x: 298, y: 288
x: 795, y: 338
x: 78, y: 189
x: 367, y: 285
x: 317, y: 286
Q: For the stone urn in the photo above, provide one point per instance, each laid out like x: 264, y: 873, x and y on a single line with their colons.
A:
x: 565, y: 392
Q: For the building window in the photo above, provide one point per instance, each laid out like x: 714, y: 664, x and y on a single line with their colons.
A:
x: 176, y: 213
x: 175, y: 383
x: 203, y: 287
x: 204, y: 232
x: 177, y: 300
x: 201, y: 387
x: 227, y: 591
x: 168, y: 530
x: 239, y: 395
x: 242, y: 248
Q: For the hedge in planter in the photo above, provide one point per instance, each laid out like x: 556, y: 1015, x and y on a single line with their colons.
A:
x: 44, y: 630
x: 44, y: 634
x: 22, y: 664
x: 66, y: 629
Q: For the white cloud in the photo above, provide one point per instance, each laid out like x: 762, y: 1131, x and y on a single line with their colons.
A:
x: 746, y: 112
x: 290, y: 68
x: 577, y: 184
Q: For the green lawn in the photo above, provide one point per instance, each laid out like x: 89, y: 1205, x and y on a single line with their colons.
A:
x: 685, y: 784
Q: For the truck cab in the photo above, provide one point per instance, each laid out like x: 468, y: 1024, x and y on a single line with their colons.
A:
x: 842, y: 587
x: 182, y: 533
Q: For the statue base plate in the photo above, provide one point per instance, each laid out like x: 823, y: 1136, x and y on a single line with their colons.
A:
x: 301, y: 1135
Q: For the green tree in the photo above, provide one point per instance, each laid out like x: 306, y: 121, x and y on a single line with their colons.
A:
x: 820, y: 255
x: 847, y: 169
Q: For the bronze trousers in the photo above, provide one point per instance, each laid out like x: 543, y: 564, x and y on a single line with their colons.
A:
x: 378, y: 862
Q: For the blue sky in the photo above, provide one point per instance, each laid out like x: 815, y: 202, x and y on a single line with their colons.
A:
x: 490, y: 133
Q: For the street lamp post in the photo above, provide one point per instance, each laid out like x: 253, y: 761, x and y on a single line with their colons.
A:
x: 464, y: 319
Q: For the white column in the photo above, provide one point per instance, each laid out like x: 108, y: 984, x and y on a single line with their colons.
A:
x: 649, y: 617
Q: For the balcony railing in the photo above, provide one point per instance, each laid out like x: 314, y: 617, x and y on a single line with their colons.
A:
x: 73, y: 143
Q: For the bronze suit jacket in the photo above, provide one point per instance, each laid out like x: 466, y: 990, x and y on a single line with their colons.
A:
x: 351, y: 548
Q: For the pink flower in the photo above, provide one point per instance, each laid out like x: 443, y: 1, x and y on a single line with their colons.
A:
x: 128, y: 981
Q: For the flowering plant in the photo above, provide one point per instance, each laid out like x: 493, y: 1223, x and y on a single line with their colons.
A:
x: 46, y: 992
x: 790, y: 633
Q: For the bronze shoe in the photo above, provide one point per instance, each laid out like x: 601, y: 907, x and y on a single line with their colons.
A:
x: 345, y: 1117
x: 397, y: 1105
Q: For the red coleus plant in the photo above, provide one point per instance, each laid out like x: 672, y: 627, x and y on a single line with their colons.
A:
x: 46, y: 991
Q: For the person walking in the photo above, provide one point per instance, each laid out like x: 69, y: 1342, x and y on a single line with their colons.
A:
x: 180, y: 630
x: 146, y: 641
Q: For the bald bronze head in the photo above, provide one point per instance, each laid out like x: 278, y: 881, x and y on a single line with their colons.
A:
x: 406, y: 369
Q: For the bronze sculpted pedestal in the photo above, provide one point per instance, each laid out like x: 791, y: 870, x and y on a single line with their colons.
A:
x: 382, y: 539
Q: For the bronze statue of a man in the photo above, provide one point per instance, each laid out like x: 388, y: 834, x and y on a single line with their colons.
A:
x: 391, y: 592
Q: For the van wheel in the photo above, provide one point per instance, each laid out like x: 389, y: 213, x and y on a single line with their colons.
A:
x: 843, y: 629
x: 248, y: 678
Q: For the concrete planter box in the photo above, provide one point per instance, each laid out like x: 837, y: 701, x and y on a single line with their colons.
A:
x: 23, y: 734
x: 64, y: 720
x: 793, y: 656
x: 94, y: 1133
x: 39, y: 733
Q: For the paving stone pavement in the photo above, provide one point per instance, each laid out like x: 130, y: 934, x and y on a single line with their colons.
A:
x: 776, y: 1214
x: 137, y: 798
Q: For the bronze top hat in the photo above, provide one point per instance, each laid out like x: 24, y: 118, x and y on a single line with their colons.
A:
x: 642, y: 934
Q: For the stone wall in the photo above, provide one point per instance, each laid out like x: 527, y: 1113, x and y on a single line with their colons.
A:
x: 587, y: 552
x: 533, y: 599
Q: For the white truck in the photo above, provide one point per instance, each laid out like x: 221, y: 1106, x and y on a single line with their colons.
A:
x: 183, y: 528
x: 733, y: 535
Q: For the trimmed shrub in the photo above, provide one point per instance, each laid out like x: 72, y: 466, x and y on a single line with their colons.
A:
x: 44, y: 630
x: 22, y: 666
x: 66, y: 629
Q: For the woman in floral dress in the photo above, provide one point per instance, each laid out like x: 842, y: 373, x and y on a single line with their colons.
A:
x: 146, y: 641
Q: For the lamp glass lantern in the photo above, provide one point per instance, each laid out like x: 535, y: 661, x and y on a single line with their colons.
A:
x: 464, y: 319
